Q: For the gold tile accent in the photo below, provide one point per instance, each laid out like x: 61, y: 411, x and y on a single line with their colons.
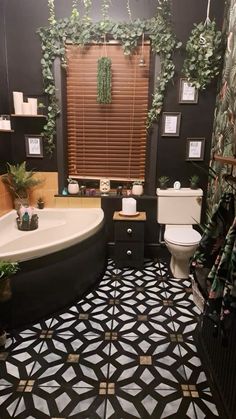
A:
x: 139, y: 289
x: 114, y: 301
x: 189, y: 390
x: 46, y: 334
x: 106, y: 388
x: 83, y: 316
x: 145, y: 360
x: 110, y: 336
x: 167, y: 303
x: 25, y: 386
x: 73, y: 358
x: 142, y: 317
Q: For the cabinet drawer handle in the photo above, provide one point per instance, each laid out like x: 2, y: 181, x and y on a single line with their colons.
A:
x: 129, y: 230
x: 129, y: 252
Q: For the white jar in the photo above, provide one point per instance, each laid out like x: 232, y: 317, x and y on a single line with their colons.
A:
x: 137, y: 189
x: 73, y: 188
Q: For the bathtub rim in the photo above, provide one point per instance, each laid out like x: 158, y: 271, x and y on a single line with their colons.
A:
x: 35, y: 252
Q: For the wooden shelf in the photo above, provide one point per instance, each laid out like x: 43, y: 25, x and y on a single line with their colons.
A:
x: 28, y: 116
x: 225, y: 160
x: 6, y: 130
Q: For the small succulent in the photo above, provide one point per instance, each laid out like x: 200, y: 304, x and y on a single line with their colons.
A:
x: 194, y: 180
x: 163, y: 181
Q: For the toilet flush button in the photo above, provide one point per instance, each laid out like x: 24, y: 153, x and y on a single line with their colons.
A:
x: 177, y: 185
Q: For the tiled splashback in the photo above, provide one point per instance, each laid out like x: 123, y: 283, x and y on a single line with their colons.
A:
x: 47, y: 190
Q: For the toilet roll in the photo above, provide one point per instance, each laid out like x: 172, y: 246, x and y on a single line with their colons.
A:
x: 129, y: 206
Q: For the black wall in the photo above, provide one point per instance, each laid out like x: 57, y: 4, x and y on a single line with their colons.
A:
x: 23, y: 54
x: 5, y: 138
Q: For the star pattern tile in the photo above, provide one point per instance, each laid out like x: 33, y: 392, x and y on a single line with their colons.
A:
x: 126, y: 350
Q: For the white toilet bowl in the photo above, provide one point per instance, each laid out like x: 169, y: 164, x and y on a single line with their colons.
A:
x: 181, y: 241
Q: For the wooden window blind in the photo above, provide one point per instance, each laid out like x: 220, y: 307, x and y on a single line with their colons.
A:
x: 107, y: 140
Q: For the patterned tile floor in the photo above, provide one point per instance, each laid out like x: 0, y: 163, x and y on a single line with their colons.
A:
x: 124, y: 351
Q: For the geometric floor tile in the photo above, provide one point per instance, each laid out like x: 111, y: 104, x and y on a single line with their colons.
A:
x: 126, y: 350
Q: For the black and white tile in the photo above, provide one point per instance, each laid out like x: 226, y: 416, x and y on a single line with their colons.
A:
x: 126, y: 350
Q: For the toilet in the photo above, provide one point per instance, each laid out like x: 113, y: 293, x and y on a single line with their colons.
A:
x: 179, y: 210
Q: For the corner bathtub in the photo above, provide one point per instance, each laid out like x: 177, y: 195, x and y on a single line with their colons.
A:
x: 59, y: 262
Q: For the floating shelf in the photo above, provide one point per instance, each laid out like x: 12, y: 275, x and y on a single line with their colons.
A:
x: 6, y: 130
x: 28, y: 116
x: 225, y: 160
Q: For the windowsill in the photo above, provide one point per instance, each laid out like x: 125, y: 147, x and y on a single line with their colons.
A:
x: 110, y: 195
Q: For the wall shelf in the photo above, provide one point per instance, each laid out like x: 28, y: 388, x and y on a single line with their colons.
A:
x: 6, y: 130
x: 225, y: 160
x: 27, y: 116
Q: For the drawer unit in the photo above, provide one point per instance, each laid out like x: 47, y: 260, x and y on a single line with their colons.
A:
x: 129, y: 240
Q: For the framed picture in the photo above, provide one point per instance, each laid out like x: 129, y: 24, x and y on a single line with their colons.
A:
x: 195, y: 148
x: 34, y: 145
x: 171, y: 124
x: 187, y: 92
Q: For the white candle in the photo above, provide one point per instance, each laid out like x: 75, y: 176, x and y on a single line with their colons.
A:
x: 33, y: 105
x: 26, y: 108
x: 18, y: 100
x: 129, y: 206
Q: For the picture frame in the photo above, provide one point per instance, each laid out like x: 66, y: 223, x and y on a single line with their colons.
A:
x: 187, y: 92
x: 195, y: 149
x: 171, y: 124
x: 34, y: 146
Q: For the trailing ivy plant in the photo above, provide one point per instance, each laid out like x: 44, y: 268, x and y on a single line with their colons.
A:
x: 104, y: 80
x: 163, y: 43
x: 80, y: 30
x: 203, y: 54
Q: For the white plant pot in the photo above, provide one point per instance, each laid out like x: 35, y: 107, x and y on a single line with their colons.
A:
x: 73, y: 188
x: 137, y: 189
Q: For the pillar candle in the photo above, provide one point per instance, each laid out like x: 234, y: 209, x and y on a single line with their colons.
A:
x: 129, y: 206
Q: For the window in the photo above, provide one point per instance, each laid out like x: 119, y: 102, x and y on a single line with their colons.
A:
x: 107, y: 140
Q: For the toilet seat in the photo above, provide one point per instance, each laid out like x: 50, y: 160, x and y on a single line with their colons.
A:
x: 182, y: 236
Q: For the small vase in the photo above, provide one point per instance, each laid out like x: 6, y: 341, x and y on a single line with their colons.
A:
x: 137, y: 190
x: 73, y: 188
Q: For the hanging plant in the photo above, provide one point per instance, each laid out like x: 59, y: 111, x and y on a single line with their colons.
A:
x: 104, y: 80
x: 80, y: 30
x: 203, y: 55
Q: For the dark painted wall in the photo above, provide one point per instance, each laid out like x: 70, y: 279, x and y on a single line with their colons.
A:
x: 5, y: 138
x: 23, y: 54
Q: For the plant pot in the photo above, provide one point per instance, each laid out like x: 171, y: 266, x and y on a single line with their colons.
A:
x: 3, y: 338
x: 40, y: 205
x: 5, y: 289
x: 137, y: 190
x: 73, y: 188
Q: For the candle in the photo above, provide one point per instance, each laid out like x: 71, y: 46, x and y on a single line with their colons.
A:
x: 18, y: 100
x: 129, y: 206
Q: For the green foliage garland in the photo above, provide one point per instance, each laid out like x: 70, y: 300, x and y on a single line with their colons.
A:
x: 104, y: 80
x: 82, y: 31
x: 203, y: 54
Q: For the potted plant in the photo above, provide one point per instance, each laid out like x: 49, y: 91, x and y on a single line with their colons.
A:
x: 40, y: 202
x: 163, y: 182
x: 137, y: 187
x: 7, y: 269
x: 194, y: 181
x: 19, y: 181
x: 73, y: 186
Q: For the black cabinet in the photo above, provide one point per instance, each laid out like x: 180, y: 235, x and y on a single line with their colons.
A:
x: 129, y: 240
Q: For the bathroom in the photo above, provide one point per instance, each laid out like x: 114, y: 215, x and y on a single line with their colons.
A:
x: 167, y: 154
